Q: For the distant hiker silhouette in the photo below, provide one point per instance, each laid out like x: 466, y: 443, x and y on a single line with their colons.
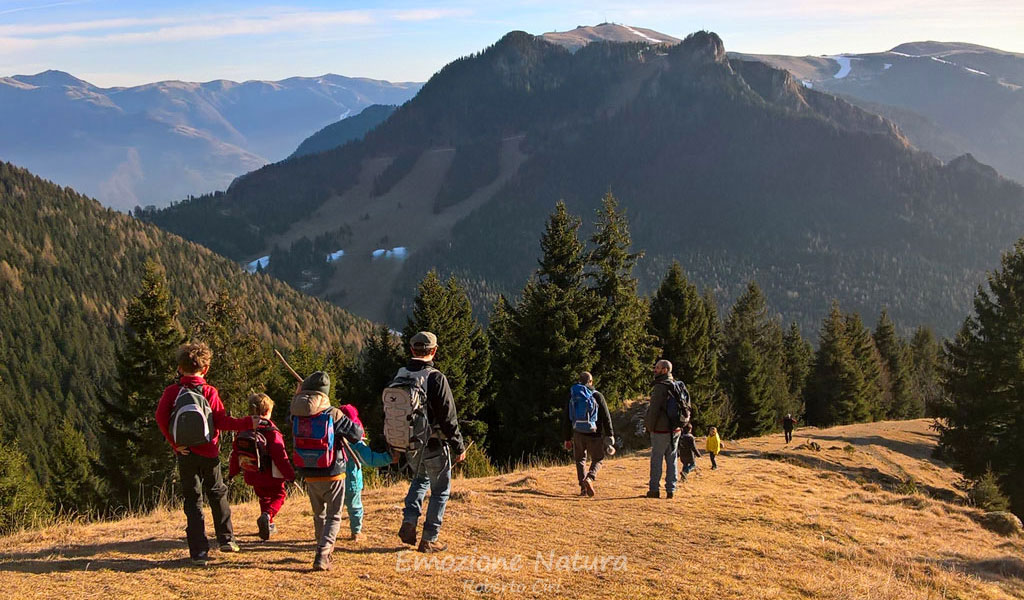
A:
x: 787, y: 426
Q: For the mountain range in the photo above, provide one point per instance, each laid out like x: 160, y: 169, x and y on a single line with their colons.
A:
x: 155, y: 143
x: 947, y: 98
x: 731, y: 166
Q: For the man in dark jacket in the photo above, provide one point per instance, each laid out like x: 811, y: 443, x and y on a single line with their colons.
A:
x: 664, y: 438
x: 325, y: 486
x: 434, y: 463
x: 583, y: 443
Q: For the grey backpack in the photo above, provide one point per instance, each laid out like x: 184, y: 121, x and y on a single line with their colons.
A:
x: 406, y: 423
x: 192, y: 418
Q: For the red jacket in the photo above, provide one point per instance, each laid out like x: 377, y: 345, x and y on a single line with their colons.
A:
x: 278, y: 455
x: 221, y: 420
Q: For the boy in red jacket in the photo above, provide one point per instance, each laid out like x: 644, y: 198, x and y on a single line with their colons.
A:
x: 190, y: 415
x: 268, y: 483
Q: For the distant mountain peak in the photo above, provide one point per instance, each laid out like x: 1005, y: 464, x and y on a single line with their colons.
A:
x: 52, y: 78
x: 606, y: 32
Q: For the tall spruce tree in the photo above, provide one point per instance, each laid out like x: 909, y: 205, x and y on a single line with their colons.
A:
x: 685, y: 326
x: 876, y: 390
x: 73, y: 488
x: 753, y: 370
x: 369, y: 374
x: 463, y: 353
x: 902, y: 404
x: 623, y: 342
x: 799, y: 356
x: 926, y: 359
x: 135, y: 458
x: 981, y: 418
x: 550, y: 338
x: 835, y: 389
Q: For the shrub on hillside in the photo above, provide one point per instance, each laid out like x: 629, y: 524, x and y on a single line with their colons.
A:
x: 22, y: 502
x: 477, y: 464
x: 986, y: 494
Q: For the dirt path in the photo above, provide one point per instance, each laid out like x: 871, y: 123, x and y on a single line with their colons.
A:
x: 770, y: 523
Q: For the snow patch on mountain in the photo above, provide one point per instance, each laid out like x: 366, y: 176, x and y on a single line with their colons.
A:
x: 845, y: 65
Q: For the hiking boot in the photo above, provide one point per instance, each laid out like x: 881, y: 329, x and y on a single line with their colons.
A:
x: 322, y: 561
x: 430, y: 547
x: 356, y: 537
x: 654, y: 494
x: 231, y: 546
x: 588, y: 486
x: 407, y: 533
x: 263, y: 524
x: 583, y: 490
x: 670, y: 495
x: 201, y: 559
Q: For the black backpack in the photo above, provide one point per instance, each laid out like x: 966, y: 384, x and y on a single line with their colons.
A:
x: 678, y: 406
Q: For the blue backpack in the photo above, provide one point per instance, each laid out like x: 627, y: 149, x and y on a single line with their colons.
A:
x: 582, y: 409
x: 314, y: 440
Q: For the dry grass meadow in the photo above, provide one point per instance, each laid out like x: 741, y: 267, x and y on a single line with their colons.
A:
x: 870, y: 515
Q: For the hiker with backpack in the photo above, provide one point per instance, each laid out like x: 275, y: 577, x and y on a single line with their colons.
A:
x: 191, y: 416
x: 788, y: 423
x: 668, y: 410
x: 354, y: 475
x: 259, y: 454
x: 587, y: 430
x: 319, y: 433
x: 688, y: 452
x: 420, y: 421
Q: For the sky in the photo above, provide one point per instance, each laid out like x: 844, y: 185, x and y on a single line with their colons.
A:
x: 125, y: 42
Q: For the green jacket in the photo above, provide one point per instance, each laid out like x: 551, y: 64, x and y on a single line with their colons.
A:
x: 657, y: 411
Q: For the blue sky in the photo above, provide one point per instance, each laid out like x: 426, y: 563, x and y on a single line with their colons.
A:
x: 125, y: 42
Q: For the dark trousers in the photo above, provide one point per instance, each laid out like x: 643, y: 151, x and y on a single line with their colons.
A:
x: 199, y: 474
x: 582, y: 446
x: 789, y: 435
x: 714, y: 465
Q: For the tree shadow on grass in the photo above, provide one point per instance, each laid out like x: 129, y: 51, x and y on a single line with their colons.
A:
x: 1007, y: 569
x: 151, y: 545
x: 532, y: 492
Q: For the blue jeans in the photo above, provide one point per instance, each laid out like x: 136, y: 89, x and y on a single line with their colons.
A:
x: 435, y: 473
x: 664, y: 448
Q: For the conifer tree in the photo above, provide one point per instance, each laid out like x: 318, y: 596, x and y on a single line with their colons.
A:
x: 73, y: 487
x: 981, y: 418
x: 799, y: 356
x: 550, y: 337
x: 685, y: 326
x: 897, y: 361
x: 753, y: 370
x: 136, y: 460
x: 365, y: 379
x: 241, y: 363
x: 463, y: 354
x: 835, y: 388
x: 925, y: 355
x: 876, y: 386
x: 623, y: 342
x: 22, y: 502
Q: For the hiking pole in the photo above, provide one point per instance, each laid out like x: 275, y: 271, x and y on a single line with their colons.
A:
x: 295, y: 374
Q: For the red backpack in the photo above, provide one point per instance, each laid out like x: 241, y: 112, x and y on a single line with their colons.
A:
x: 250, y: 448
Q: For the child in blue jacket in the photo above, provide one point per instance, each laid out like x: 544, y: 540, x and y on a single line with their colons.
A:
x: 354, y: 476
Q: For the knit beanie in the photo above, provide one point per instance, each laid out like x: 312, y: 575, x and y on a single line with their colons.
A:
x: 352, y: 413
x: 318, y: 382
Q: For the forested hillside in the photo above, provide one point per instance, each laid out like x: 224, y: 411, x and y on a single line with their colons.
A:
x: 68, y: 268
x: 732, y: 168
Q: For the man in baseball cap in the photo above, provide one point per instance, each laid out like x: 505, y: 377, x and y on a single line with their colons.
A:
x: 435, y: 466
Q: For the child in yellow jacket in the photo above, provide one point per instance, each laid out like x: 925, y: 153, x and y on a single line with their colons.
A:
x: 714, y: 446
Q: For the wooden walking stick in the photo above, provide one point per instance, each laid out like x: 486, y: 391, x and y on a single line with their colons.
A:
x: 351, y: 452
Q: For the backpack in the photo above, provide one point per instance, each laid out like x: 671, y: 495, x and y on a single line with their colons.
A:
x: 313, y: 438
x: 678, y: 404
x: 407, y: 425
x: 582, y: 409
x: 250, y: 448
x: 192, y: 418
